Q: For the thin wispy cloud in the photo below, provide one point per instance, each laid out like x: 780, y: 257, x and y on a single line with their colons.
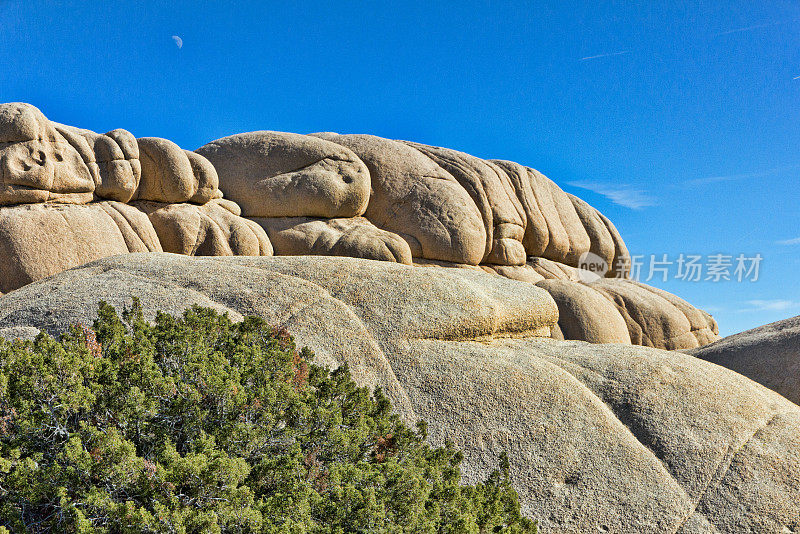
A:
x: 620, y: 194
x: 793, y: 241
x: 751, y: 28
x: 771, y: 305
x: 741, y: 176
x: 796, y: 78
x: 609, y: 54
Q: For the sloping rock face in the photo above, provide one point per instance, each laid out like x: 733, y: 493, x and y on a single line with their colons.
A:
x: 602, y: 438
x: 69, y: 196
x: 769, y: 354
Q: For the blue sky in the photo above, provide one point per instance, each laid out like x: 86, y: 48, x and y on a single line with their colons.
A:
x: 679, y: 122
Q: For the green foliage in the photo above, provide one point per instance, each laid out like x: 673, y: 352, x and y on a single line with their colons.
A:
x: 197, y: 424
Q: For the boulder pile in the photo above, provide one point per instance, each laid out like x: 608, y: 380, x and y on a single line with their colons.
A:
x: 70, y: 196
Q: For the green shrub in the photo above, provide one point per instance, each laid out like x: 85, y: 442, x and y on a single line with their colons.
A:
x: 197, y: 424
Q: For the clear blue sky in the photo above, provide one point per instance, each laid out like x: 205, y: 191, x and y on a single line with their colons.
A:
x: 678, y: 122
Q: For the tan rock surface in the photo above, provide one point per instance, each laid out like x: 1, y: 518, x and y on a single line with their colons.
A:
x: 39, y: 240
x: 656, y: 318
x: 112, y: 160
x: 211, y: 229
x: 418, y: 200
x: 330, y: 194
x: 602, y: 438
x: 354, y: 237
x: 37, y: 163
x: 495, y: 197
x: 278, y: 174
x: 586, y: 315
x: 170, y: 176
x: 769, y: 354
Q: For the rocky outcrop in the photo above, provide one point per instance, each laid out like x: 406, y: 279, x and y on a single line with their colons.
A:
x: 435, y: 206
x: 769, y: 354
x: 602, y: 437
x: 447, y: 205
x: 68, y: 196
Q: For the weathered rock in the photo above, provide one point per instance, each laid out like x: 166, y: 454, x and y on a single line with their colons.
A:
x: 39, y: 240
x: 656, y: 318
x: 46, y: 163
x: 611, y: 437
x: 112, y: 160
x: 418, y: 200
x: 277, y: 174
x: 585, y: 314
x: 211, y: 229
x: 434, y: 198
x: 43, y: 161
x: 347, y: 195
x: 609, y: 310
x: 173, y: 175
x: 494, y: 194
x: 37, y: 164
x: 301, y: 294
x: 769, y: 354
x: 354, y: 237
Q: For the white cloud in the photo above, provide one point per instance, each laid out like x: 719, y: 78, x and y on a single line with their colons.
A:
x: 742, y: 176
x: 620, y: 194
x: 772, y: 305
x: 750, y: 28
x: 793, y: 241
x: 598, y: 56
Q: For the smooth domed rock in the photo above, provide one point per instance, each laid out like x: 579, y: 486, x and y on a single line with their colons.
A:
x: 112, y: 160
x: 495, y: 197
x: 418, y: 200
x: 606, y: 437
x: 585, y: 314
x: 39, y: 240
x: 37, y: 164
x: 345, y: 195
x: 769, y: 354
x: 44, y: 161
x: 277, y: 174
x: 301, y: 294
x: 171, y: 175
x: 656, y: 318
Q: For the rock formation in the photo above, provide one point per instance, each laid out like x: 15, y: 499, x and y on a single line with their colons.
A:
x: 69, y: 196
x: 769, y: 354
x: 602, y: 437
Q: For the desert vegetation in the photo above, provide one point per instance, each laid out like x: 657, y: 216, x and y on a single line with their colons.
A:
x: 200, y: 424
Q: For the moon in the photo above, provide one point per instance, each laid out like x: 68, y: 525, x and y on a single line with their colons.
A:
x: 178, y: 41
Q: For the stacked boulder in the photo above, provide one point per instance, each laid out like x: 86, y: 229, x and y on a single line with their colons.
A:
x: 368, y: 197
x: 69, y: 196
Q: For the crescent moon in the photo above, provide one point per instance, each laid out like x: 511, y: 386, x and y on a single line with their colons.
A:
x: 178, y: 41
